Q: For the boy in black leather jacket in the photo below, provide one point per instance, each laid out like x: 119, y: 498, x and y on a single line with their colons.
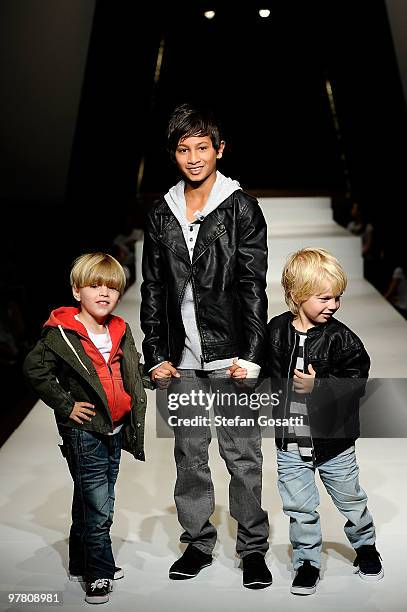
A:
x: 323, y: 366
x: 204, y: 316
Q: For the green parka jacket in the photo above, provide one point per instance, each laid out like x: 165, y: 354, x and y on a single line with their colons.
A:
x: 57, y: 374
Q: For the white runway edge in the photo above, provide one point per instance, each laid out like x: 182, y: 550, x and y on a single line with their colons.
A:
x: 36, y: 490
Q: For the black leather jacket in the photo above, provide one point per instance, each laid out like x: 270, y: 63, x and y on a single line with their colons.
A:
x: 342, y: 368
x: 228, y: 276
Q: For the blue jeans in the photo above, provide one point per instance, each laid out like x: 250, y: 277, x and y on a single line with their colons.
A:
x: 93, y: 461
x: 300, y: 497
x: 240, y: 448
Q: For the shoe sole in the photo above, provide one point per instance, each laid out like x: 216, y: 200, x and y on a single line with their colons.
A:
x: 257, y: 584
x: 183, y: 576
x: 97, y: 600
x: 369, y: 577
x: 297, y: 590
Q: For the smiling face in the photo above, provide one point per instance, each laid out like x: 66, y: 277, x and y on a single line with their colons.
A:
x: 97, y: 301
x: 196, y: 158
x: 318, y: 308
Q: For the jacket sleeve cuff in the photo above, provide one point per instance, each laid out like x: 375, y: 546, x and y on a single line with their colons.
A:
x: 156, y: 366
x: 64, y: 409
x: 253, y: 369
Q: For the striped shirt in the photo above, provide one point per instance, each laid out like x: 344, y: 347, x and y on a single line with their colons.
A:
x: 299, y: 436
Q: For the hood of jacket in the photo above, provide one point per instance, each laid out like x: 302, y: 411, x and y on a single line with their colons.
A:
x: 64, y: 318
x: 222, y: 188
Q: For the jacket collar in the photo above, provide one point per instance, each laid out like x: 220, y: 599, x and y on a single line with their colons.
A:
x: 211, y: 228
x: 313, y: 332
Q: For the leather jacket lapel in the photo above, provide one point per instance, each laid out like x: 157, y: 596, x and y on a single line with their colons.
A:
x: 173, y: 238
x: 211, y: 228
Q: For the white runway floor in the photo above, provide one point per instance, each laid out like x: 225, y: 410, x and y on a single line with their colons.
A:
x: 36, y: 489
x: 35, y: 497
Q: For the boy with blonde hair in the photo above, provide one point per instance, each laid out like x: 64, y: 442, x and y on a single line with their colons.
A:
x: 86, y: 368
x: 325, y: 366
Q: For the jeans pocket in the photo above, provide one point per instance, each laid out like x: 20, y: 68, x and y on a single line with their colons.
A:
x: 89, y: 443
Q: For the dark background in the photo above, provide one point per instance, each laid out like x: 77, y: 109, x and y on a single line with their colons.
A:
x: 81, y: 111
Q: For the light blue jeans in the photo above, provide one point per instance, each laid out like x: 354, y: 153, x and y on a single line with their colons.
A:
x: 300, y: 497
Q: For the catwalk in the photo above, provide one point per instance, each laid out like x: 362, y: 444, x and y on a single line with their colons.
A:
x: 36, y: 495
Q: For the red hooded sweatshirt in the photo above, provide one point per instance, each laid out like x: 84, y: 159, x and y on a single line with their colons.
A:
x: 119, y: 401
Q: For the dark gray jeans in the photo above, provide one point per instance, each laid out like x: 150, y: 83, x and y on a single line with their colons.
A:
x: 240, y: 448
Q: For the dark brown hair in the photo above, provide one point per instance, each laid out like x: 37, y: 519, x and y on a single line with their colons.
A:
x: 186, y: 121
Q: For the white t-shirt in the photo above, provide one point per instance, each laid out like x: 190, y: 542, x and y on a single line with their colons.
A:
x: 102, y: 342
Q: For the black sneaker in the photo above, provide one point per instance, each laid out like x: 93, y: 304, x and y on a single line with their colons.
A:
x: 368, y: 563
x: 256, y: 574
x: 97, y: 592
x: 190, y: 564
x: 306, y: 579
x: 78, y: 577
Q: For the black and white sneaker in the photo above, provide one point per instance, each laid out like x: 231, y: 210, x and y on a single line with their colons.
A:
x: 306, y: 579
x: 256, y: 574
x: 118, y: 573
x: 368, y: 563
x: 190, y: 564
x: 97, y: 592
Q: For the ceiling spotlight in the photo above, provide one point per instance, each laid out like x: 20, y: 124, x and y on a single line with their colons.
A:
x: 264, y: 12
x: 209, y: 14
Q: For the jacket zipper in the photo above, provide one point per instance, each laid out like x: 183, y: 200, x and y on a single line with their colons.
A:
x: 111, y: 375
x: 197, y: 323
x: 287, y: 386
x: 190, y: 279
x: 114, y: 407
x: 181, y: 298
x: 309, y: 421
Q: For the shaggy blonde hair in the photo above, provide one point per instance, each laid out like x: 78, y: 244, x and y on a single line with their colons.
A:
x: 98, y: 269
x: 307, y: 272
